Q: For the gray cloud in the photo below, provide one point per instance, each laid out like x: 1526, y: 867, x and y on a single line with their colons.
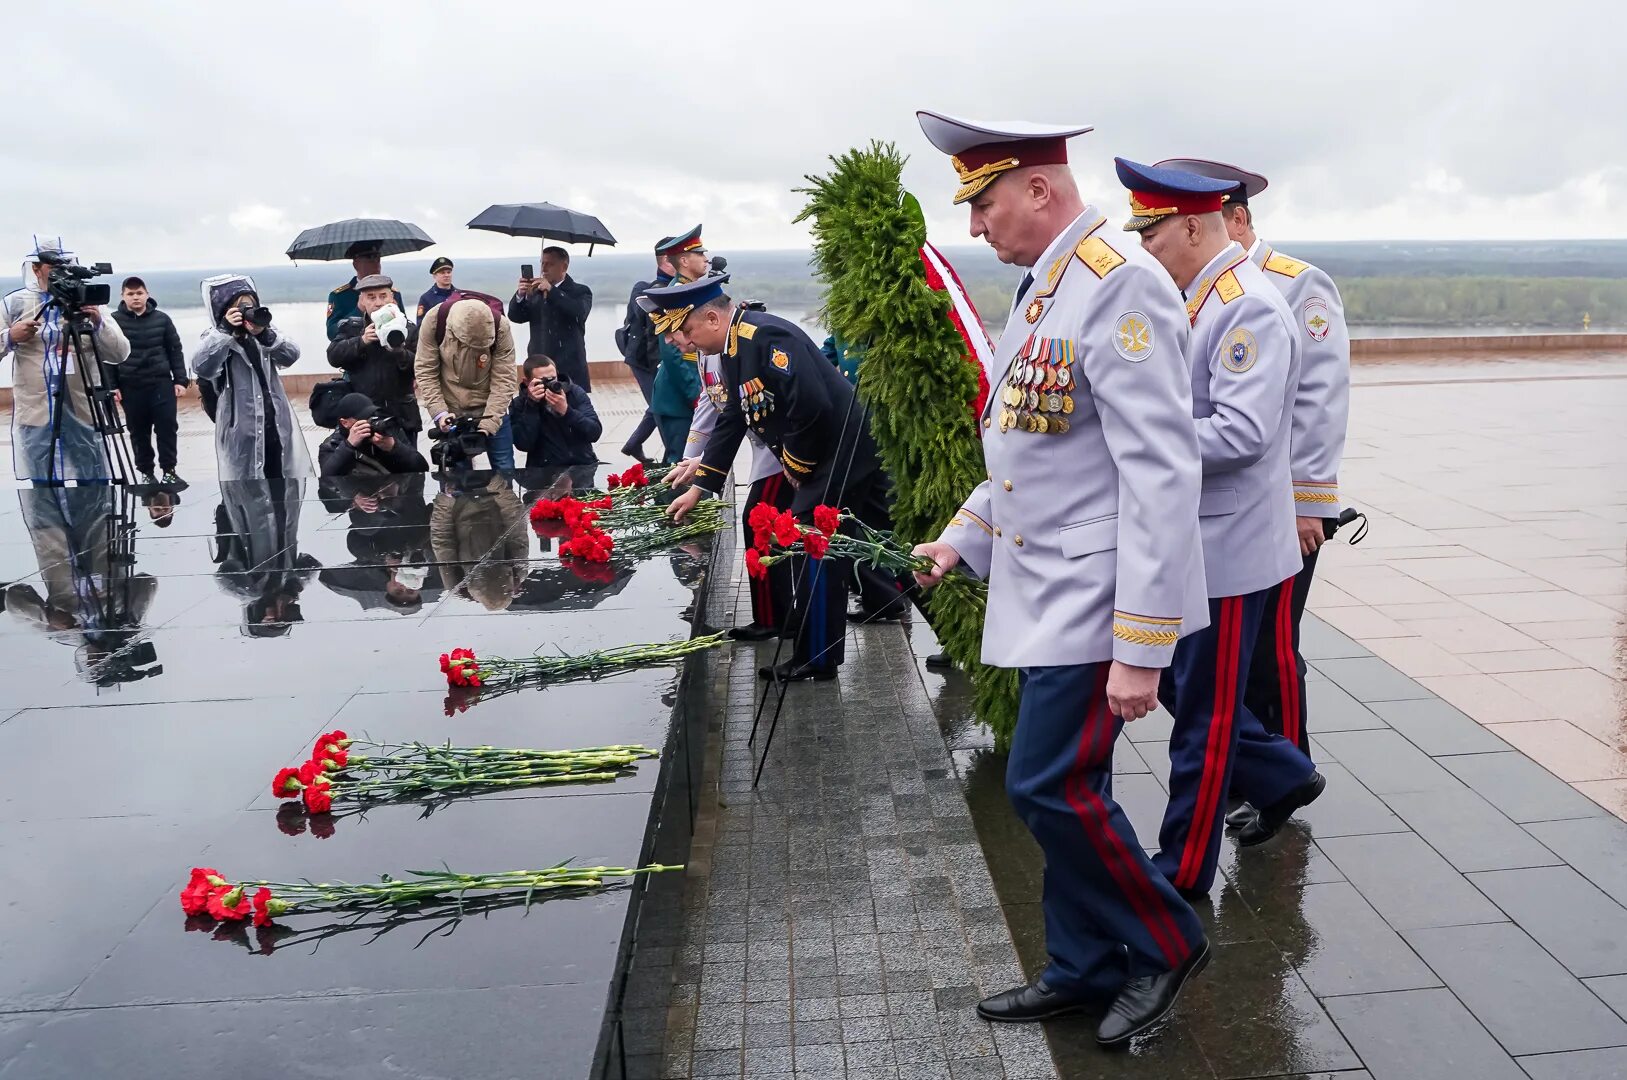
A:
x: 187, y: 134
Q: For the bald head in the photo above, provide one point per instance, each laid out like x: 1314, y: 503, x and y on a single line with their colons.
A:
x: 1185, y: 243
x: 1024, y: 210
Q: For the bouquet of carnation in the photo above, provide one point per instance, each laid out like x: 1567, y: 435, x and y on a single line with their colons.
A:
x: 464, y: 669
x: 640, y: 529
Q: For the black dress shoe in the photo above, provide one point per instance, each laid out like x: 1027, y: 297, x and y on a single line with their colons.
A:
x: 1030, y: 1003
x: 753, y: 632
x: 939, y: 661
x: 790, y: 671
x: 1274, y: 817
x: 1241, y: 817
x: 1146, y: 1000
x: 1193, y: 896
x: 637, y: 454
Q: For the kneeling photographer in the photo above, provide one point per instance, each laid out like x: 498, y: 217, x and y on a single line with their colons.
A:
x: 367, y: 442
x: 553, y: 418
x: 466, y: 375
x: 55, y: 330
x: 376, y: 351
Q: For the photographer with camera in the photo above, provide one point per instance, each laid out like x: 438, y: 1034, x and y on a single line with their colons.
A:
x: 55, y: 435
x: 376, y: 351
x: 554, y: 420
x: 557, y: 307
x: 257, y: 435
x: 466, y: 378
x: 366, y: 442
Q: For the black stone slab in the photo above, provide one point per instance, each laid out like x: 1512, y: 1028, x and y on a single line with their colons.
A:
x: 1438, y: 728
x: 1385, y: 762
x: 1420, y: 1035
x: 1369, y: 679
x: 1579, y: 1065
x: 1337, y: 942
x: 1318, y: 641
x: 1612, y: 990
x: 1595, y: 846
x: 1347, y: 808
x: 1523, y: 996
x: 1407, y: 882
x: 505, y: 1033
x: 1252, y: 1016
x: 1582, y: 927
x: 1468, y: 831
x: 1329, y: 707
x: 1291, y: 860
x: 1520, y: 788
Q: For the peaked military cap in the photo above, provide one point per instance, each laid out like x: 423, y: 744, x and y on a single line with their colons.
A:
x: 1157, y: 193
x: 982, y: 150
x: 1248, y: 184
x: 676, y: 245
x: 669, y: 305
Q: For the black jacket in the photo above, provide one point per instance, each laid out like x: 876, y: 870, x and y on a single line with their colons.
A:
x: 156, y: 355
x: 385, y: 375
x: 337, y: 457
x: 550, y: 440
x: 640, y: 345
x: 558, y: 321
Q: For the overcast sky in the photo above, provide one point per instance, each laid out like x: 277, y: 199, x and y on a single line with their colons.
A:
x: 171, y: 134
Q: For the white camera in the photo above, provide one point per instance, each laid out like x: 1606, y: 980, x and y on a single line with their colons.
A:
x: 392, y: 326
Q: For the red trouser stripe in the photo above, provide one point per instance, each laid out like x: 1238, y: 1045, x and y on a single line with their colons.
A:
x: 1110, y: 848
x: 1218, y: 748
x: 1287, y: 667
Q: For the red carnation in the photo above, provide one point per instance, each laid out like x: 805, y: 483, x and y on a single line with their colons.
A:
x: 262, y: 907
x: 544, y: 510
x: 308, y: 772
x: 762, y: 516
x: 827, y: 519
x: 761, y: 541
x: 318, y: 798
x: 754, y: 564
x: 601, y: 504
x: 785, y: 529
x: 635, y: 477
x: 614, y: 482
x: 331, y: 758
x: 815, y: 544
x: 195, y: 897
x: 287, y: 784
x: 230, y: 905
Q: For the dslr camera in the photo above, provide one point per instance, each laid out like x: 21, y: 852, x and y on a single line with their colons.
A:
x: 388, y: 426
x: 69, y: 283
x: 259, y: 316
x: 458, y: 445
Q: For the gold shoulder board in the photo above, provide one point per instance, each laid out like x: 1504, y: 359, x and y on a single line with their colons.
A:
x: 1097, y: 254
x: 1228, y: 287
x: 747, y: 330
x: 1282, y: 264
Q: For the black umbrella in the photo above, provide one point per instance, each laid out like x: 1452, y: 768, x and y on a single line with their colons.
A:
x: 333, y: 241
x: 544, y: 220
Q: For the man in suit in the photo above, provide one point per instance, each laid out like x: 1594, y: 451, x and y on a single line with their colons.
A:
x: 1087, y: 534
x: 1276, y: 682
x: 557, y: 306
x: 1244, y: 361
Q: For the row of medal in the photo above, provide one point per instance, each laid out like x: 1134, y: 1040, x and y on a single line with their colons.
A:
x: 1038, y: 388
x: 755, y: 400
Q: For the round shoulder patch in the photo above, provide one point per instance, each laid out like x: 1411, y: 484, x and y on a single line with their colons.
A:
x: 1315, y: 313
x: 1239, y: 351
x: 1132, y: 337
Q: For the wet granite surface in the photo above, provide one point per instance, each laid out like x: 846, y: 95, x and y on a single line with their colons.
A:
x: 154, y: 679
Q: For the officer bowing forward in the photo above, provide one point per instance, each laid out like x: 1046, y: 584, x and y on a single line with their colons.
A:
x: 777, y: 384
x: 1244, y: 361
x: 1087, y: 534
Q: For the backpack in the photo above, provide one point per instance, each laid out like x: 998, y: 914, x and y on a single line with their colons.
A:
x: 640, y: 346
x: 445, y: 307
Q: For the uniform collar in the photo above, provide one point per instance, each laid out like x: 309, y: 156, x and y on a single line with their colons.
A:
x: 1259, y: 251
x: 1229, y: 258
x: 1089, y: 213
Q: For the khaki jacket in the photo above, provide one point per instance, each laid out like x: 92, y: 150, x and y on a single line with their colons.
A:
x: 472, y: 371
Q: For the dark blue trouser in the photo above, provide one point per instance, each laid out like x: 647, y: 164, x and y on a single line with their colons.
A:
x: 770, y: 595
x: 646, y: 423
x: 1276, y: 682
x: 1217, y: 744
x: 1102, y: 894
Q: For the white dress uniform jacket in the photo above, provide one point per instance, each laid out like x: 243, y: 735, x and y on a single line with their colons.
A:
x: 714, y: 391
x: 1086, y: 529
x: 1322, y: 402
x: 1245, y: 371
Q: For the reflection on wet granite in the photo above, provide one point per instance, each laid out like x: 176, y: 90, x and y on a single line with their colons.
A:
x: 166, y: 660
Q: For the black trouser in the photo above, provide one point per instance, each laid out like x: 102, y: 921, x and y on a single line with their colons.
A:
x: 646, y: 423
x: 819, y: 618
x: 149, y: 409
x: 1276, y: 679
x: 771, y: 595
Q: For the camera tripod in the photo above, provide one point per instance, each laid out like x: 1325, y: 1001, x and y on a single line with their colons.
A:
x: 104, y: 412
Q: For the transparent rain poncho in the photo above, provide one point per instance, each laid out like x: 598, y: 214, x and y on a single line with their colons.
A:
x: 53, y: 435
x: 253, y: 417
x: 257, y: 552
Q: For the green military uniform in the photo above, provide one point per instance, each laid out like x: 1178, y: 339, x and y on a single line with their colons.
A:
x: 672, y: 400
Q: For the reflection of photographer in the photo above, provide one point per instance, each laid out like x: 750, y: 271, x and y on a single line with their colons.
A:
x: 256, y: 432
x: 366, y: 442
x: 465, y: 369
x: 376, y: 350
x: 54, y: 434
x: 554, y: 420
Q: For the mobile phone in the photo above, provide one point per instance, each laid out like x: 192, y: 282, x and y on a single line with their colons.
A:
x: 527, y: 270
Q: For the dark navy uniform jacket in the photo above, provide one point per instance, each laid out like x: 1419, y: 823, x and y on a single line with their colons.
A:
x: 433, y: 298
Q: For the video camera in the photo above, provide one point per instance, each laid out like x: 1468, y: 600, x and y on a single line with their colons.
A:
x: 68, y: 282
x: 459, y: 445
x: 392, y: 326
